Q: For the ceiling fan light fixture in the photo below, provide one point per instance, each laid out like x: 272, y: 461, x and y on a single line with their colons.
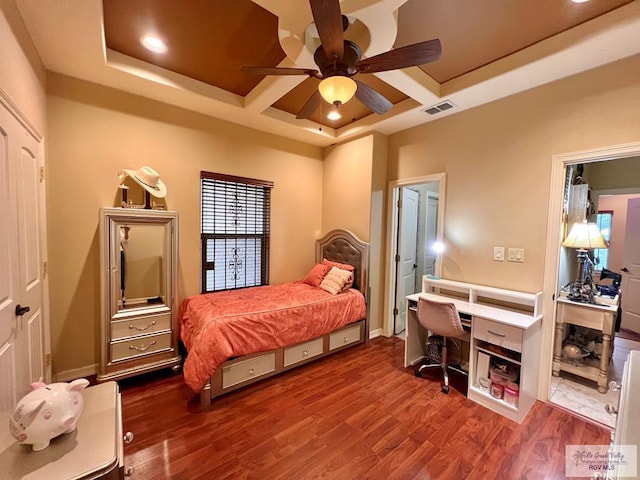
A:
x: 337, y: 89
x: 334, y: 114
x: 153, y: 44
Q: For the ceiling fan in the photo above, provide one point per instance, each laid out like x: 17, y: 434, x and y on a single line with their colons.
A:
x: 338, y: 60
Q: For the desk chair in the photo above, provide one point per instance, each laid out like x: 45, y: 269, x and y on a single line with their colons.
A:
x: 440, y: 318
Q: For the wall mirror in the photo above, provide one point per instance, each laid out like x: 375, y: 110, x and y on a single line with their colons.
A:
x: 139, y: 259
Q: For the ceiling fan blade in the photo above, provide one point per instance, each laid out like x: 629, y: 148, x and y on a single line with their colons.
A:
x: 409, y: 56
x: 279, y: 71
x: 310, y: 106
x: 328, y: 20
x: 372, y: 99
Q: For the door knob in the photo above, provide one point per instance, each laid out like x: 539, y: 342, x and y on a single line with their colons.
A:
x: 20, y: 310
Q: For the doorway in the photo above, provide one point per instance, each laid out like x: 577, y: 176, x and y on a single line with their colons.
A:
x: 557, y: 260
x: 416, y: 213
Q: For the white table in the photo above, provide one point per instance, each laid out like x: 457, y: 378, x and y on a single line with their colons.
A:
x: 598, y: 317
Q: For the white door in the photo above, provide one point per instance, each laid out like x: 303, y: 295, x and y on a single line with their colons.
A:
x: 631, y: 268
x: 407, y: 235
x: 431, y: 234
x: 21, y: 286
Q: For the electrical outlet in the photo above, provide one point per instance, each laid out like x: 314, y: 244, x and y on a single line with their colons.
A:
x: 516, y: 255
x: 498, y: 254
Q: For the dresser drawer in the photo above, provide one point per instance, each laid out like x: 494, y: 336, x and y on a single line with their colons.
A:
x: 140, y: 326
x: 496, y: 333
x: 247, y: 369
x: 301, y: 352
x: 126, y: 349
x: 344, y: 337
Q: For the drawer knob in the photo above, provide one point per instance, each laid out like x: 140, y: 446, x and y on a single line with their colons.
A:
x: 251, y: 371
x: 128, y: 438
x: 142, y: 348
x: 141, y: 329
x: 346, y: 339
x: 128, y: 471
x: 305, y: 353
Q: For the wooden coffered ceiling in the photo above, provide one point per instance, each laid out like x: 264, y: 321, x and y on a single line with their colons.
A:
x: 490, y: 49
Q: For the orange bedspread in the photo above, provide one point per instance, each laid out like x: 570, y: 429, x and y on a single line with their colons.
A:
x: 217, y: 326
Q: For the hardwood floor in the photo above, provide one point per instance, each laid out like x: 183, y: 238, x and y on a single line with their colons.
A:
x: 358, y: 414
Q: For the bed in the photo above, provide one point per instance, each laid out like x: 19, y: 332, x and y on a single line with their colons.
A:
x: 237, y: 337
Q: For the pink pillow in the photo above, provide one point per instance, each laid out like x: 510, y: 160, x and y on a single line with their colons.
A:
x: 334, y: 282
x: 317, y: 274
x: 342, y: 266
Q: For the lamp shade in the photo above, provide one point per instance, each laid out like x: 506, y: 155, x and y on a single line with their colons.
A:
x: 585, y: 235
x: 337, y: 89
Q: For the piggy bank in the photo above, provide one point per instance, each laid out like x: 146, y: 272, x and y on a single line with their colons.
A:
x: 46, y: 412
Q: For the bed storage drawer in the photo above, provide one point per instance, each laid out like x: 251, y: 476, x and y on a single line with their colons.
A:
x: 496, y: 333
x: 248, y: 369
x: 140, y: 346
x: 346, y: 336
x: 303, y: 351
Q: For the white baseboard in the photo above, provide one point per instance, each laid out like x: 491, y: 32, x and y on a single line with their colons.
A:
x: 375, y: 333
x: 69, y: 375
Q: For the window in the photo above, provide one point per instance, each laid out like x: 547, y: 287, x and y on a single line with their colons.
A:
x: 234, y: 231
x: 601, y: 255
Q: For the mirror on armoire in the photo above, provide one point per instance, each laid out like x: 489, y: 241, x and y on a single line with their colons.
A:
x: 141, y: 264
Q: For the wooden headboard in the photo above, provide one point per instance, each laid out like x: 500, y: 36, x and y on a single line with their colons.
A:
x: 343, y: 246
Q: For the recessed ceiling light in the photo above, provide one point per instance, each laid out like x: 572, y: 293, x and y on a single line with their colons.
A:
x: 153, y: 44
x: 334, y: 115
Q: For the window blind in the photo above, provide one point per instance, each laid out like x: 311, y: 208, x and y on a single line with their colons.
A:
x: 234, y: 231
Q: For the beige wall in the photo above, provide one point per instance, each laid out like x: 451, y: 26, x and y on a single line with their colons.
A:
x: 498, y: 157
x: 614, y: 174
x: 347, y: 187
x: 22, y: 75
x: 354, y: 197
x: 96, y: 131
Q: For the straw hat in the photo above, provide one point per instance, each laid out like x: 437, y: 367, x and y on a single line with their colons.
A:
x: 148, y: 179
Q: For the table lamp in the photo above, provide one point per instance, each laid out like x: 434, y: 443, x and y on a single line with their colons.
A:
x: 583, y: 236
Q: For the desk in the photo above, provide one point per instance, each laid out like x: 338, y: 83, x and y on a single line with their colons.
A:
x: 597, y: 317
x: 502, y: 333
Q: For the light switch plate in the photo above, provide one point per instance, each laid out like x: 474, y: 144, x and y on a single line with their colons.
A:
x: 516, y: 255
x: 498, y: 254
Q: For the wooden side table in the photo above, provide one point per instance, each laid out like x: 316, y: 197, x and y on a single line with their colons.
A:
x: 597, y: 317
x: 93, y: 451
